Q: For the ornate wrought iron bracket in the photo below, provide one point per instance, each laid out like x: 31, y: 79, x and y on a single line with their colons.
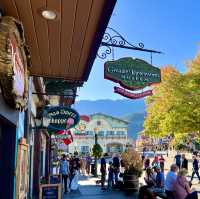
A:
x: 112, y: 39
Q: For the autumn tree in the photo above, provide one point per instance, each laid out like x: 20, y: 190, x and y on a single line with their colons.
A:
x: 175, y: 106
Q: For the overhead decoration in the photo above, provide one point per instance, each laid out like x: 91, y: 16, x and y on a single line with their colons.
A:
x: 80, y: 128
x: 61, y: 118
x: 65, y: 136
x: 14, y: 63
x: 130, y: 95
x: 57, y: 87
x: 132, y: 73
x: 113, y: 39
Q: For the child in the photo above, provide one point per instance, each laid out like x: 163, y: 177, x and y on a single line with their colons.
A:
x: 110, y: 176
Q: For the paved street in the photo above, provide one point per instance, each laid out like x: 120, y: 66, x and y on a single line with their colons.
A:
x: 89, y: 190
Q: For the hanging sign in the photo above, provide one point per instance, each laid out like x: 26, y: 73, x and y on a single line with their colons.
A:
x: 61, y: 118
x: 132, y: 73
x: 81, y: 127
x: 50, y: 191
x: 130, y: 95
x: 14, y: 59
x: 64, y: 136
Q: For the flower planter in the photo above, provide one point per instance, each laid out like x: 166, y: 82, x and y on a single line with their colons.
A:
x: 131, y: 183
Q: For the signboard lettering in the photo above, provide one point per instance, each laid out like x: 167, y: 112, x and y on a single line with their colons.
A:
x: 18, y: 67
x: 61, y: 118
x: 50, y: 191
x: 132, y: 73
x: 130, y: 95
x: 14, y: 62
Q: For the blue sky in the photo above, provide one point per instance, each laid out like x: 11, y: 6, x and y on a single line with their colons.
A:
x: 171, y: 26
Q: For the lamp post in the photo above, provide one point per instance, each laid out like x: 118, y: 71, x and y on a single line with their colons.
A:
x: 95, y: 142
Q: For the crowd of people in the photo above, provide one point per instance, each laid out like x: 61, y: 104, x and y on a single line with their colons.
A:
x: 176, y: 184
x: 114, y: 168
x: 70, y: 167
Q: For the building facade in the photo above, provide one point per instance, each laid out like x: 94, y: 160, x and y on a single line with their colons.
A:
x: 111, y: 133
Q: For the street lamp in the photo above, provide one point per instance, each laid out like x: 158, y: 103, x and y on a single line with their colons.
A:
x: 95, y: 143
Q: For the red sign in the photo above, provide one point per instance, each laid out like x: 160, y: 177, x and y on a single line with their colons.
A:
x: 130, y: 95
x: 65, y: 133
x: 18, y: 67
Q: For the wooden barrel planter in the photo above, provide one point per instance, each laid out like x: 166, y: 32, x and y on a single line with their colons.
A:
x: 131, y: 183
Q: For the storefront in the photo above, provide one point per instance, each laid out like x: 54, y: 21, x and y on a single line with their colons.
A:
x: 13, y: 100
x: 8, y: 145
x: 63, y: 49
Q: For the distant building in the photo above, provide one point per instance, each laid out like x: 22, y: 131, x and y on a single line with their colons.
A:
x: 111, y: 131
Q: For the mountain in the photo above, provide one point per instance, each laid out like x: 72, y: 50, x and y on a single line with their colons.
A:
x: 136, y: 121
x: 116, y: 108
x: 130, y: 110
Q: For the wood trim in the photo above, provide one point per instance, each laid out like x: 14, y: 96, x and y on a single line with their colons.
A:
x: 51, y: 185
x: 105, y: 17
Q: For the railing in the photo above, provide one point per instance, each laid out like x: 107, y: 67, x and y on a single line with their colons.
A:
x: 101, y: 137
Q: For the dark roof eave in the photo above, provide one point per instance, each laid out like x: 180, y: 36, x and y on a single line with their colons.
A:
x: 103, y: 23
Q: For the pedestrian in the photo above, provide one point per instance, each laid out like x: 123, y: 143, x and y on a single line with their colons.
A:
x: 88, y: 164
x: 83, y: 165
x: 149, y: 177
x: 110, y: 176
x: 116, y: 168
x: 182, y: 188
x: 170, y: 180
x: 64, y: 171
x: 146, y: 163
x: 178, y: 160
x: 195, y: 168
x: 160, y: 179
x: 155, y: 162
x: 103, y: 172
x: 162, y: 163
x: 184, y: 164
x: 74, y: 168
x: 145, y: 193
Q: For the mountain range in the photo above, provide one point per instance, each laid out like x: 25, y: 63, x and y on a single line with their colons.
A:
x: 132, y: 111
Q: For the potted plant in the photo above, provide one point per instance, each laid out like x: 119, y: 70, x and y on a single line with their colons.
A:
x: 132, y: 170
x: 97, y: 153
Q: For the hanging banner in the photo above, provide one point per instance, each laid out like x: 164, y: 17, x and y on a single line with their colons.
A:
x: 80, y: 128
x: 65, y: 136
x: 130, y: 95
x: 14, y: 60
x: 131, y: 73
x: 61, y: 118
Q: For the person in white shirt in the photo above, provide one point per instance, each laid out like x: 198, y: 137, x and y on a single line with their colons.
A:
x: 170, y: 179
x: 64, y: 170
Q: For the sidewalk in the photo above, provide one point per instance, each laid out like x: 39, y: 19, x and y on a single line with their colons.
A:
x: 89, y: 190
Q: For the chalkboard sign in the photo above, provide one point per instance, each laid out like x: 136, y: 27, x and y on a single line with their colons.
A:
x: 50, y: 191
x: 55, y: 179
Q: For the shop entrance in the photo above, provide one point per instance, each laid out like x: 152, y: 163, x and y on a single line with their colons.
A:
x: 7, y: 158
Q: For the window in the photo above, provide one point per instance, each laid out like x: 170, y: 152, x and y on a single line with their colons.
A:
x: 84, y: 149
x: 120, y: 133
x: 101, y: 133
x: 98, y: 123
x: 89, y: 133
x: 109, y: 133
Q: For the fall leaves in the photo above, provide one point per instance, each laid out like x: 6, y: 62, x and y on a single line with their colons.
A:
x: 175, y: 106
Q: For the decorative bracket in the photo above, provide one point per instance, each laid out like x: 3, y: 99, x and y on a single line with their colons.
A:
x: 112, y: 39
